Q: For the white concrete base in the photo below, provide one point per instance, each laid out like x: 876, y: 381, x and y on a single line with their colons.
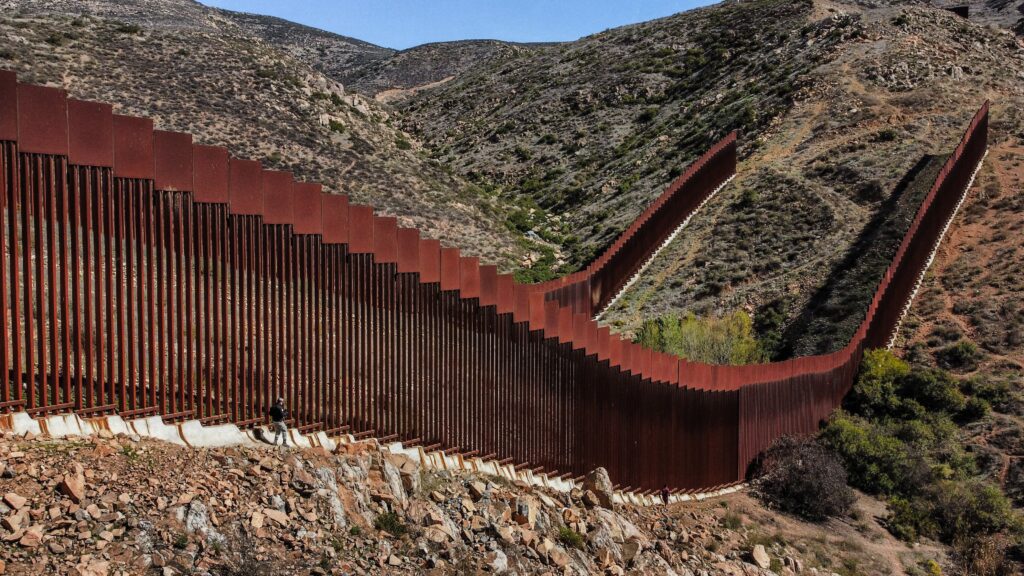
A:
x: 194, y: 434
x: 934, y: 251
x: 438, y: 460
x: 19, y: 423
x: 154, y: 427
x: 63, y: 425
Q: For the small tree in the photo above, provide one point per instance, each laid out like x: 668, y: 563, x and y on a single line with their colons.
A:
x: 804, y: 478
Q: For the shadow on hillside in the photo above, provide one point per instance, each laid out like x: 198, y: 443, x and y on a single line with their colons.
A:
x: 834, y: 311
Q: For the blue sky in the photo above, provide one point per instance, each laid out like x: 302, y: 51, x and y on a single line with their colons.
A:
x: 406, y: 23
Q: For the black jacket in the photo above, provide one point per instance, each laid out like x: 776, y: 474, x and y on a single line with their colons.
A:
x: 278, y: 413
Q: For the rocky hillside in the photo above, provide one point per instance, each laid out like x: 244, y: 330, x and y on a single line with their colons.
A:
x: 203, y: 74
x: 124, y: 505
x: 901, y: 88
x: 591, y: 130
x: 334, y: 55
x: 427, y: 65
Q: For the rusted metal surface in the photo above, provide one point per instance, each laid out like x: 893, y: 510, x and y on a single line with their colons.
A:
x: 143, y: 274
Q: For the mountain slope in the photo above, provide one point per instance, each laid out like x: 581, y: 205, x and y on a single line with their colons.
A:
x: 334, y: 55
x: 592, y: 130
x: 210, y: 78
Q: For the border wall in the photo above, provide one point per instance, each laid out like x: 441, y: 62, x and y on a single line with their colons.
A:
x: 143, y: 274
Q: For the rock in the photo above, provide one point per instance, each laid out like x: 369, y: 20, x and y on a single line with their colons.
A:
x: 598, y: 482
x: 437, y: 535
x: 506, y: 534
x: 13, y: 522
x: 73, y: 485
x: 477, y: 523
x: 760, y: 557
x: 630, y: 549
x: 276, y: 515
x: 32, y: 538
x: 477, y: 489
x: 497, y: 561
x: 436, y: 496
x: 543, y: 547
x: 303, y: 482
x: 559, y: 557
x: 3, y: 567
x: 590, y: 499
x: 570, y: 516
x: 14, y: 500
x: 93, y: 567
x: 526, y: 512
x: 256, y: 519
x: 394, y: 560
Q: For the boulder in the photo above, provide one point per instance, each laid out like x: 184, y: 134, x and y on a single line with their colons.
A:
x: 630, y: 549
x: 497, y: 561
x: 760, y: 557
x: 73, y: 485
x: 276, y: 515
x: 14, y: 500
x: 559, y: 557
x: 598, y: 482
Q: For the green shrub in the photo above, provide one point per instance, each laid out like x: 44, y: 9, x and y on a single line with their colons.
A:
x: 995, y: 390
x: 898, y: 439
x: 523, y: 153
x: 647, y: 115
x: 391, y: 523
x: 570, y: 538
x: 403, y: 144
x: 968, y: 507
x: 963, y: 355
x: 726, y: 340
x: 875, y: 391
x: 338, y: 127
x: 934, y: 390
x: 877, y: 463
x: 732, y: 521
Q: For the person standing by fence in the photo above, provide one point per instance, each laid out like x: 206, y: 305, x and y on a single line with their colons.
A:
x: 278, y: 414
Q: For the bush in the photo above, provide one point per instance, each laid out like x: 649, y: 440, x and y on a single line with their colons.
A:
x: 125, y: 28
x: 403, y: 144
x: 983, y: 555
x: 934, y: 390
x: 969, y: 507
x: 963, y: 355
x: 647, y: 115
x: 570, y: 538
x: 875, y: 391
x: 726, y: 340
x: 805, y: 478
x: 390, y: 522
x: 877, y: 462
x: 769, y: 324
x: 899, y: 440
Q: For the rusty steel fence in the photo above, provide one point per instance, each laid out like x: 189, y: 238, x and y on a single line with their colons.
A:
x: 143, y: 274
x: 590, y: 290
